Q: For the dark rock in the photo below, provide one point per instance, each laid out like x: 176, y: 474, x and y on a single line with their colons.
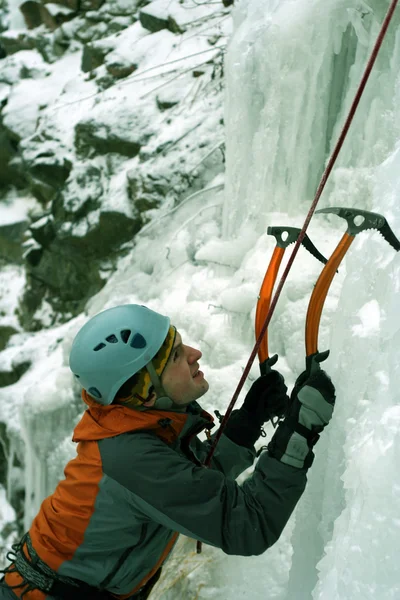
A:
x: 65, y: 253
x: 30, y: 302
x: 43, y: 231
x: 102, y: 239
x: 165, y: 104
x: 11, y: 238
x: 42, y: 191
x: 64, y: 273
x: 93, y: 55
x: 51, y: 169
x: 92, y: 137
x: 162, y: 15
x: 62, y: 39
x: 105, y: 81
x: 37, y: 39
x: 9, y: 173
x: 88, y: 31
x: 120, y: 68
x: 33, y: 255
x: 151, y: 21
x: 147, y: 192
x: 14, y: 375
x: 6, y: 332
x: 81, y: 195
x: 68, y: 271
x: 46, y: 171
x: 13, y: 42
x: 31, y: 13
x: 174, y: 27
x: 54, y: 15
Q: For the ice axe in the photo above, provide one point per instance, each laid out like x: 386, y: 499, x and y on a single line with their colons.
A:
x: 357, y: 221
x: 284, y: 237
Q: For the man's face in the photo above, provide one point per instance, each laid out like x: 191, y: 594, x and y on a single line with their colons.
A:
x: 178, y: 377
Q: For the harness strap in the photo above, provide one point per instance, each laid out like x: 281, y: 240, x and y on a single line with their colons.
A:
x: 37, y: 575
x: 36, y: 571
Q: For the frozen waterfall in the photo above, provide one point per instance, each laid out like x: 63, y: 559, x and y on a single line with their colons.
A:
x: 292, y: 69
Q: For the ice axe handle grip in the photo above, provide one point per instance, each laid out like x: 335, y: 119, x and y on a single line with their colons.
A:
x: 313, y: 361
x: 266, y: 366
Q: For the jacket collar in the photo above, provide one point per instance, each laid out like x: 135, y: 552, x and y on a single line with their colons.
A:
x: 99, y: 422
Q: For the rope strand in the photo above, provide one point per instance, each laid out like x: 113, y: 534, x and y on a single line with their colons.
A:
x: 318, y: 194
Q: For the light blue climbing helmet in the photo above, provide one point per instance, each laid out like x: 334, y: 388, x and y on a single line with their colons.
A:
x: 113, y: 346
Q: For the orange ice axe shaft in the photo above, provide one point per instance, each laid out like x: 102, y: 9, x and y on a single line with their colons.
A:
x: 357, y: 221
x: 284, y: 237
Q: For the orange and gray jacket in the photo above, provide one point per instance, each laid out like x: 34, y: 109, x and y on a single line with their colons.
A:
x: 137, y: 481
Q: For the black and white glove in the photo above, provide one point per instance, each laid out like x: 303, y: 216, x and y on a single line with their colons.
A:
x: 311, y: 406
x: 267, y: 398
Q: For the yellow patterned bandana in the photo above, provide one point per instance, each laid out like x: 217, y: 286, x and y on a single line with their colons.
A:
x: 141, y: 382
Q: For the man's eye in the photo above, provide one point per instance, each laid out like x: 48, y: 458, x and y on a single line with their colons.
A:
x: 176, y: 355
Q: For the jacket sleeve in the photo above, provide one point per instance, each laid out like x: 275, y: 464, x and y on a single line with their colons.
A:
x: 203, y: 503
x: 229, y: 458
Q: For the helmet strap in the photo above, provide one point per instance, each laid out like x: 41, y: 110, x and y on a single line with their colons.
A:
x: 162, y: 402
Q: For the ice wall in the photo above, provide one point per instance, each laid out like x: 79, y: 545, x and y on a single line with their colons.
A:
x: 292, y: 72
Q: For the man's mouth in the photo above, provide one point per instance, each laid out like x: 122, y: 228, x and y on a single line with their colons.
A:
x: 197, y: 374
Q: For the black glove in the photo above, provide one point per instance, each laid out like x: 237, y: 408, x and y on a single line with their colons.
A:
x: 266, y: 398
x: 310, y: 410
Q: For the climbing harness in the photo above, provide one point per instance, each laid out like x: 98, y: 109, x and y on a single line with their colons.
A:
x: 320, y: 189
x: 37, y: 575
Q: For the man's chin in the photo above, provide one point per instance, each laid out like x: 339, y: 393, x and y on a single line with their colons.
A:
x: 204, y: 387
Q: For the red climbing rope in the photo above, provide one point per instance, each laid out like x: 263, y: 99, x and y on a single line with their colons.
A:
x: 320, y: 189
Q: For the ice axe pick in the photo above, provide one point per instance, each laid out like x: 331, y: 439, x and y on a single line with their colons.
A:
x: 357, y: 221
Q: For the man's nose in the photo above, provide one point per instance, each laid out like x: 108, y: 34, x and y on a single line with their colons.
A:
x: 193, y: 354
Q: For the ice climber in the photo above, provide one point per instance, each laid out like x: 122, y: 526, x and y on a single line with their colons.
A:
x: 138, y: 480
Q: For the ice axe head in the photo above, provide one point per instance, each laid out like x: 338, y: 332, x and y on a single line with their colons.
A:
x: 361, y: 220
x: 288, y: 235
x: 284, y: 235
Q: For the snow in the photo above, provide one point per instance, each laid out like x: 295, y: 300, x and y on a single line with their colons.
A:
x: 292, y: 69
x: 15, y: 208
x: 12, y: 282
x: 28, y: 98
x: 185, y: 12
x: 57, y: 9
x: 16, y: 20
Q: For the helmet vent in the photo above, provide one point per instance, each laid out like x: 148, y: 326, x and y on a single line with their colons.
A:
x: 112, y: 339
x: 99, y: 347
x: 138, y: 341
x: 93, y: 391
x: 125, y: 333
